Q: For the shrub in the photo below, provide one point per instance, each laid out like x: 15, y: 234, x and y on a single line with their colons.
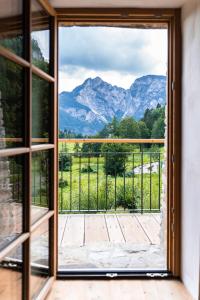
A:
x: 64, y: 162
x: 130, y: 201
x: 63, y: 183
x: 127, y: 197
x: 87, y: 169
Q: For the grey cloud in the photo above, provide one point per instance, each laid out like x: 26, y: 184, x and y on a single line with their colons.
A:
x: 104, y: 49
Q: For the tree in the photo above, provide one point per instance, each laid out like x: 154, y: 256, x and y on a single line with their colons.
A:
x: 158, y: 131
x: 110, y: 130
x: 77, y: 147
x: 94, y: 148
x: 129, y: 128
x: 144, y: 131
x: 115, y: 159
x: 151, y: 116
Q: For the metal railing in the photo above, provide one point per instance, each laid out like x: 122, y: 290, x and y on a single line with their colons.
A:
x: 110, y: 181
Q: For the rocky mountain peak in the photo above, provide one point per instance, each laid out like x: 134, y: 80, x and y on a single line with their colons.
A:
x: 94, y: 103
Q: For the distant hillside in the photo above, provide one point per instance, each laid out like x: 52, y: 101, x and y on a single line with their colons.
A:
x: 93, y: 104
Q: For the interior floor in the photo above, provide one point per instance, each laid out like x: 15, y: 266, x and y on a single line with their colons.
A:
x: 118, y: 289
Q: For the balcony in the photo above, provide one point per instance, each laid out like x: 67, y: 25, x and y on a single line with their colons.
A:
x: 110, y: 207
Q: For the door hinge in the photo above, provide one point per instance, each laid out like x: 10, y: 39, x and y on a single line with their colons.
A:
x: 153, y: 275
x: 173, y: 86
x: 111, y: 275
x: 173, y: 158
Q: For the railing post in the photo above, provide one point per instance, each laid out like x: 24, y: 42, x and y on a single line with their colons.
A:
x: 79, y: 204
x: 70, y: 182
x: 150, y: 188
x: 159, y: 189
x: 142, y: 183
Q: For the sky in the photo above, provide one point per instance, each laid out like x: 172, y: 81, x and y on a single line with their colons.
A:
x: 117, y: 55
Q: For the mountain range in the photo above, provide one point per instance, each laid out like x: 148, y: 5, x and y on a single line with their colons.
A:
x: 93, y: 104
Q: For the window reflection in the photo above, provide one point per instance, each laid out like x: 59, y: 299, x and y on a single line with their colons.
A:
x: 40, y: 110
x: 40, y: 184
x: 11, y: 271
x: 40, y: 37
x: 11, y: 34
x: 39, y: 258
x: 11, y: 197
x: 11, y: 104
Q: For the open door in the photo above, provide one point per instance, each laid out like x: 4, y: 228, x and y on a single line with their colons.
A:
x: 27, y: 149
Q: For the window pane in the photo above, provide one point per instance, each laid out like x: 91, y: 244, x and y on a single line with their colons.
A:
x: 11, y: 104
x: 11, y: 197
x: 39, y: 258
x: 40, y: 184
x: 40, y: 37
x: 11, y: 275
x: 40, y: 111
x: 11, y: 23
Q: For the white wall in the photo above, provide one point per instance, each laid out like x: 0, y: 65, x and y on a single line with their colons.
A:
x: 191, y: 147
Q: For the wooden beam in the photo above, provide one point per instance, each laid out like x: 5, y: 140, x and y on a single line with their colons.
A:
x: 114, y: 141
x: 17, y: 242
x: 43, y: 219
x: 48, y: 7
x: 42, y: 147
x: 13, y: 151
x: 13, y: 57
x: 123, y: 13
x: 42, y: 74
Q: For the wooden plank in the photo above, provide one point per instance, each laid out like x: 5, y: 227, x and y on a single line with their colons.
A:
x: 62, y: 220
x: 114, y: 229
x: 174, y: 290
x: 115, y: 289
x: 132, y: 230
x: 151, y: 227
x: 157, y: 217
x: 95, y: 229
x: 74, y: 231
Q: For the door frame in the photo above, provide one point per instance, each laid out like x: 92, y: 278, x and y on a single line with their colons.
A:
x: 151, y: 18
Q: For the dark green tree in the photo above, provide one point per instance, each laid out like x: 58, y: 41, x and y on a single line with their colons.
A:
x: 115, y: 158
x: 158, y: 131
x: 129, y: 128
x: 144, y: 131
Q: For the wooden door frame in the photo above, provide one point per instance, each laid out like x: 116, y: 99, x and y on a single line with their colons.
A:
x: 151, y: 18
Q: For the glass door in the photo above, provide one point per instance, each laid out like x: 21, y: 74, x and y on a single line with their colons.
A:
x: 27, y: 149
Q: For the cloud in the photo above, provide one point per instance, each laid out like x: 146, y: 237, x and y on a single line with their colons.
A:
x: 111, y: 52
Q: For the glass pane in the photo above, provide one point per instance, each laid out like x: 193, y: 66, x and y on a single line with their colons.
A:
x: 11, y: 275
x: 11, y: 23
x: 40, y: 37
x: 40, y: 110
x: 39, y: 258
x: 40, y: 184
x: 11, y: 104
x: 11, y: 197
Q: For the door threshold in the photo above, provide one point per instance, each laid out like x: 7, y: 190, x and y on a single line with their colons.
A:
x: 113, y: 274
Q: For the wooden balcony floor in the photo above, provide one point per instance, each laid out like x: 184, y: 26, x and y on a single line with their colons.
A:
x: 110, y: 241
